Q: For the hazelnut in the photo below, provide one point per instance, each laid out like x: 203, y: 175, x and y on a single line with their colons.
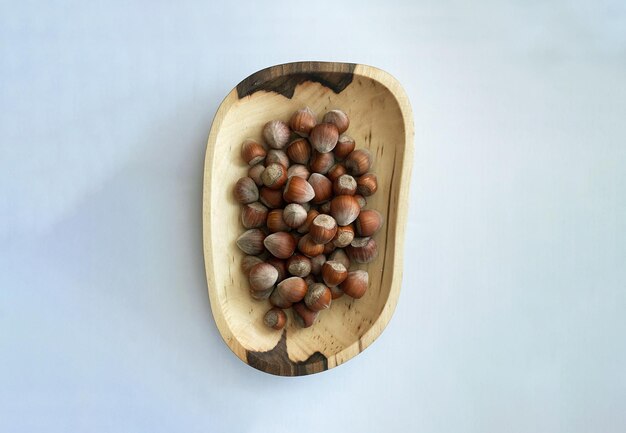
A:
x: 336, y: 292
x: 309, y: 247
x: 302, y: 121
x: 324, y: 137
x: 362, y: 250
x: 252, y: 152
x: 358, y: 162
x: 292, y: 289
x: 275, y: 318
x: 255, y: 172
x: 294, y: 215
x: 262, y: 276
x: 298, y: 170
x: 345, y: 146
x: 323, y: 229
x: 303, y: 317
x: 274, y: 176
x: 367, y: 184
x: 272, y: 198
x: 311, y: 214
x: 276, y: 300
x: 344, y: 185
x: 298, y: 190
x: 310, y: 279
x: 276, y: 222
x: 316, y: 264
x: 368, y: 222
x: 276, y: 134
x: 362, y: 201
x: 299, y: 151
x: 345, y: 209
x: 279, y: 265
x: 317, y: 297
x: 248, y: 262
x: 275, y: 156
x: 355, y: 284
x: 340, y: 256
x: 339, y: 119
x: 322, y: 187
x: 321, y: 162
x: 253, y: 215
x: 335, y: 171
x: 299, y: 265
x: 251, y: 242
x: 246, y: 191
x: 344, y: 236
x: 334, y: 273
x: 280, y: 244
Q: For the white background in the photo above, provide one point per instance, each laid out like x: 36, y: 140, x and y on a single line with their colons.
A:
x: 512, y: 311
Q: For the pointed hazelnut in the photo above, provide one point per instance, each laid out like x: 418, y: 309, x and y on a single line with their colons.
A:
x: 276, y: 134
x: 339, y: 119
x: 345, y: 209
x: 322, y: 186
x: 321, y: 162
x: 308, y: 247
x: 358, y: 162
x: 246, y: 191
x: 253, y: 215
x: 345, y: 146
x: 276, y: 222
x: 362, y: 250
x: 324, y: 137
x: 299, y: 265
x: 252, y: 152
x: 368, y: 222
x: 262, y: 276
x: 251, y: 242
x: 280, y: 244
x: 298, y: 190
x: 355, y: 284
x: 334, y: 273
x: 299, y: 151
x: 294, y: 215
x: 292, y: 289
x: 302, y: 121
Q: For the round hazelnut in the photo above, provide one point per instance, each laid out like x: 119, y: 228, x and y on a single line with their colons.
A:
x: 246, y: 191
x: 255, y: 172
x: 303, y: 121
x: 367, y: 184
x: 298, y: 190
x: 355, y: 284
x: 299, y: 265
x: 316, y: 264
x: 251, y: 242
x: 336, y: 292
x: 362, y: 201
x: 280, y: 266
x: 299, y: 151
x: 358, y: 162
x: 345, y: 146
x: 344, y: 236
x: 340, y: 256
x: 334, y: 273
x: 275, y: 156
x: 318, y: 297
x: 335, y: 171
x: 276, y: 300
x: 298, y: 170
x: 292, y: 289
x: 304, y: 228
x: 262, y: 277
x: 280, y: 244
x: 323, y: 229
x: 345, y: 209
x: 324, y: 137
x: 321, y: 162
x: 322, y: 187
x: 344, y: 185
x: 368, y: 222
x: 309, y: 247
x: 275, y: 318
x: 303, y: 317
x: 274, y: 176
x: 248, y: 262
x: 253, y: 215
x: 294, y: 215
x: 276, y: 222
x: 272, y: 198
x: 337, y: 118
x: 362, y: 250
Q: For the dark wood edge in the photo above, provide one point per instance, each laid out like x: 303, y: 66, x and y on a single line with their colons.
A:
x: 283, y: 79
x: 276, y: 361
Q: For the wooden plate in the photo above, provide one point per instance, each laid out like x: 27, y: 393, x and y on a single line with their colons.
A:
x: 381, y: 121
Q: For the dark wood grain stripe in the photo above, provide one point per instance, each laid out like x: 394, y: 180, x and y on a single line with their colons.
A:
x: 276, y: 361
x: 283, y: 79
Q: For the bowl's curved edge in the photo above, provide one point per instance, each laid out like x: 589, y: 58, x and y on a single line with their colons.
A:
x: 336, y: 76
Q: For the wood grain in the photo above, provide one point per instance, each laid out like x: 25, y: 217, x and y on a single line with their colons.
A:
x: 381, y: 121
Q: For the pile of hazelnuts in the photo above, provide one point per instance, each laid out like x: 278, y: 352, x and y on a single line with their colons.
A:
x: 303, y: 208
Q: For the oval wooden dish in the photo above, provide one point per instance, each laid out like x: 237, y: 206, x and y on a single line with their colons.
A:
x: 381, y: 121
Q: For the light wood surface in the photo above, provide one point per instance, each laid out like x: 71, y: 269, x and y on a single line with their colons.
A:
x: 381, y: 121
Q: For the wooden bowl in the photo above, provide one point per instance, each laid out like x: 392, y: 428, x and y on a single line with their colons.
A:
x: 381, y: 121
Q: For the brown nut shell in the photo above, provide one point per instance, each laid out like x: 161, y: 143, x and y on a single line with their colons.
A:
x: 344, y: 236
x: 362, y: 250
x: 272, y: 198
x: 338, y: 118
x: 367, y: 184
x: 345, y: 209
x: 275, y: 221
x: 299, y: 151
x: 275, y: 156
x: 251, y: 242
x: 335, y: 171
x: 248, y: 262
x: 323, y: 137
x: 280, y: 244
x: 275, y: 318
x: 309, y: 247
x: 358, y: 162
x: 294, y: 215
x: 246, y: 191
x: 262, y: 276
x: 334, y: 273
x: 345, y: 146
x: 336, y: 292
x: 276, y: 134
x: 298, y: 170
x: 252, y: 152
x: 280, y: 265
x: 255, y: 172
x: 368, y: 222
x: 303, y: 317
x: 323, y: 229
x: 253, y: 215
x: 298, y: 190
x: 340, y: 256
x: 274, y: 176
x: 322, y: 186
x: 302, y: 121
x: 321, y: 162
x: 276, y: 300
x: 318, y: 297
x: 355, y: 284
x: 311, y: 214
x: 345, y: 185
x: 292, y: 289
x: 299, y: 265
